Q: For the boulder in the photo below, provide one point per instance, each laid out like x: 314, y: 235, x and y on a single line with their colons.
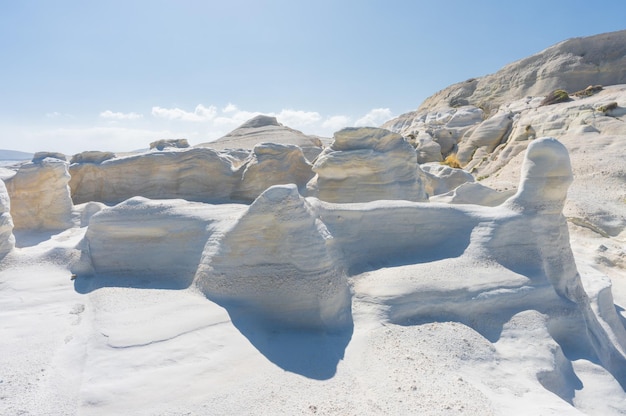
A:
x: 195, y: 174
x: 486, y: 137
x: 161, y: 239
x: 366, y: 164
x: 440, y: 179
x: 39, y: 156
x: 40, y: 195
x: 272, y: 164
x: 92, y: 156
x: 428, y: 150
x: 276, y: 265
x: 173, y: 143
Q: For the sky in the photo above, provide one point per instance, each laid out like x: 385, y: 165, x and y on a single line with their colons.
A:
x: 116, y: 75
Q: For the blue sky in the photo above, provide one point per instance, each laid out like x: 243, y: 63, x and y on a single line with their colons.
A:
x: 116, y: 75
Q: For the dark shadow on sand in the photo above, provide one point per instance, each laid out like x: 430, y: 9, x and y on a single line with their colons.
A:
x: 87, y: 284
x: 314, y: 354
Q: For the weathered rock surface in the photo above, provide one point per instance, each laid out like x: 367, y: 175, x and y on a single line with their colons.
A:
x: 485, y: 138
x: 40, y: 195
x: 367, y: 164
x: 473, y: 193
x: 171, y: 143
x: 162, y: 239
x: 275, y: 264
x: 440, y: 179
x: 7, y: 241
x: 202, y: 175
x: 266, y: 129
x: 91, y: 156
x: 272, y: 164
x: 571, y: 65
x: 39, y: 156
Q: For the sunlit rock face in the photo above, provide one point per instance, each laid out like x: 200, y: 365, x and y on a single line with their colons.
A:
x: 203, y: 175
x: 40, y: 195
x: 440, y: 179
x: 7, y: 241
x: 266, y: 129
x: 367, y: 164
x: 161, y: 239
x: 272, y: 164
x: 275, y: 263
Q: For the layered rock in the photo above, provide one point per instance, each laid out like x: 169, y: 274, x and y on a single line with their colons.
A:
x: 202, y: 175
x: 161, y: 239
x: 440, y: 179
x: 473, y: 193
x: 275, y: 264
x: 272, y: 164
x: 40, y: 195
x: 264, y: 129
x: 367, y: 164
x: 485, y: 138
x: 571, y: 65
x: 7, y: 241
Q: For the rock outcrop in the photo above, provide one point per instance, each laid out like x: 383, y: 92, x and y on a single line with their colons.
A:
x: 367, y: 164
x: 266, y: 129
x: 40, y: 195
x: 202, y: 175
x: 275, y: 264
x: 272, y: 164
x: 7, y: 240
x: 571, y: 65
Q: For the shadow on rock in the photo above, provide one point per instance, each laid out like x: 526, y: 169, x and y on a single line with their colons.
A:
x: 87, y: 284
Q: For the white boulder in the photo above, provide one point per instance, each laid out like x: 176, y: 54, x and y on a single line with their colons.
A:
x: 367, y: 164
x: 202, y: 175
x: 275, y: 264
x: 40, y: 195
x: 272, y: 164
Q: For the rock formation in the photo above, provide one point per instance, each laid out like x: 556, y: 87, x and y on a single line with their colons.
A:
x: 157, y: 238
x: 40, y: 195
x: 203, y: 175
x: 266, y: 129
x: 272, y: 164
x: 7, y: 241
x: 571, y: 65
x: 367, y: 164
x: 275, y: 263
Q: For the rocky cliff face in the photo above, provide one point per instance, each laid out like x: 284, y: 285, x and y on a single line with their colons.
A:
x: 571, y: 65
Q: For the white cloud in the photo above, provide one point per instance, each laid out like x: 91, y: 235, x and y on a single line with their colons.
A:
x: 336, y: 123
x: 111, y: 115
x: 200, y: 113
x: 297, y: 118
x: 229, y: 108
x: 374, y: 118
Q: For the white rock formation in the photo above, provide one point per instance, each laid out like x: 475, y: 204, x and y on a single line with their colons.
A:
x: 158, y: 239
x: 203, y: 175
x: 428, y: 150
x: 275, y: 264
x: 266, y: 129
x: 485, y: 138
x: 571, y: 65
x: 473, y: 193
x: 367, y: 164
x: 40, y: 195
x: 7, y: 240
x: 440, y: 179
x: 272, y: 164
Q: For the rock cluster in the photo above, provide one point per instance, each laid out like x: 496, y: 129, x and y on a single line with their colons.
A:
x: 367, y: 164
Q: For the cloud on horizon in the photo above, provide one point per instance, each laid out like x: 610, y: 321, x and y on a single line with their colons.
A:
x: 111, y: 115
